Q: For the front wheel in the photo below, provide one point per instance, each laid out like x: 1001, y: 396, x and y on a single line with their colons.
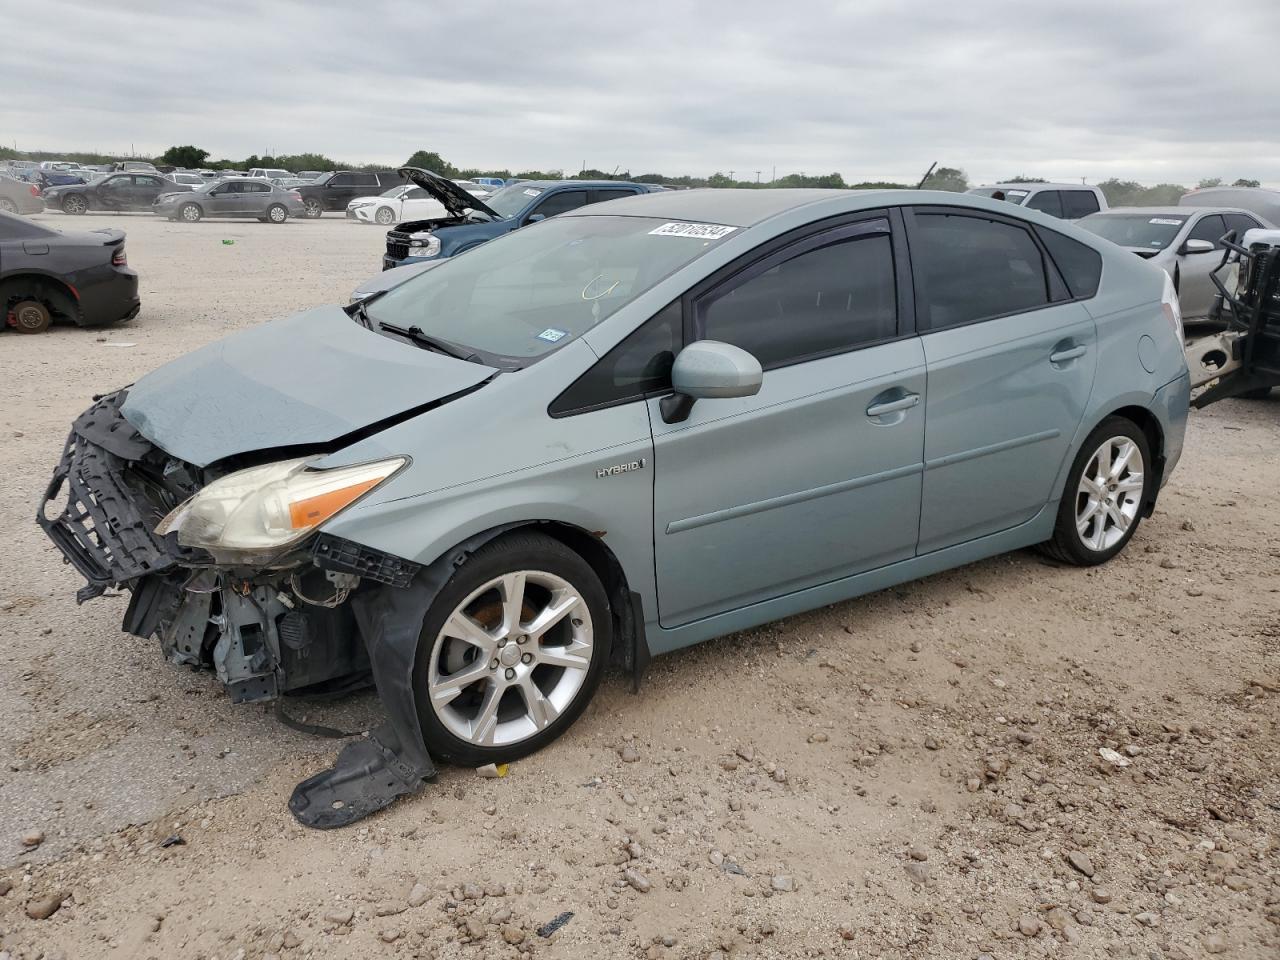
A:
x: 511, y: 651
x: 385, y: 216
x: 7, y: 205
x: 276, y: 213
x: 1106, y: 489
x: 75, y: 205
x: 190, y: 213
x: 313, y: 209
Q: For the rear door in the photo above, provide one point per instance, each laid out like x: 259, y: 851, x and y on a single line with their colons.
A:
x: 256, y: 199
x: 146, y: 187
x: 817, y: 476
x: 1011, y: 359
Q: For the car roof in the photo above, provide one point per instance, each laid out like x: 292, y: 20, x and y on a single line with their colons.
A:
x: 1036, y: 186
x: 1169, y: 211
x: 548, y: 184
x: 734, y: 207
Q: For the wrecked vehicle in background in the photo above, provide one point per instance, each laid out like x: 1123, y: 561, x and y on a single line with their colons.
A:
x: 562, y: 452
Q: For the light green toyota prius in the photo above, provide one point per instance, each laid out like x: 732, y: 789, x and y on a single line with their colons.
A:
x: 612, y: 434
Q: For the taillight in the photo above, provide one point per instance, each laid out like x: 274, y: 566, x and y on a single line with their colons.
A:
x: 119, y: 258
x: 1172, y: 308
x: 295, y: 194
x: 34, y: 191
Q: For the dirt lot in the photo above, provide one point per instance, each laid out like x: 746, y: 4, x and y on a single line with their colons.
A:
x: 912, y: 774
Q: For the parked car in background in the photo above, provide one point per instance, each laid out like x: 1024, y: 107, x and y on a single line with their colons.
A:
x: 334, y: 191
x: 1185, y: 242
x: 242, y: 197
x: 475, y: 189
x: 14, y: 168
x: 189, y: 179
x: 112, y: 191
x: 17, y: 196
x: 43, y: 179
x: 142, y: 166
x: 1260, y: 201
x: 269, y: 173
x: 1066, y: 201
x: 493, y: 183
x: 290, y: 183
x: 79, y: 276
x: 470, y: 221
x: 405, y: 202
x: 626, y: 430
x: 310, y: 174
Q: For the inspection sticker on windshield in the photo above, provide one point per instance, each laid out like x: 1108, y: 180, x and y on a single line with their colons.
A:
x: 701, y: 231
x: 552, y: 335
x: 1164, y: 222
x: 531, y: 192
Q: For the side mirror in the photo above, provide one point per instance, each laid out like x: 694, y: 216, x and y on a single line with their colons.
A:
x: 535, y: 218
x: 712, y: 370
x: 1197, y: 246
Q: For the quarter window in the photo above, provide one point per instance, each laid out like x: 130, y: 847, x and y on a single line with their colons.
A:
x: 1078, y: 203
x: 970, y: 268
x: 1047, y: 201
x: 832, y: 297
x: 1080, y: 266
x: 638, y: 366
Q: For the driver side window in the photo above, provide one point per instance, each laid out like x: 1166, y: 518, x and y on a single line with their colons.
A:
x: 560, y: 203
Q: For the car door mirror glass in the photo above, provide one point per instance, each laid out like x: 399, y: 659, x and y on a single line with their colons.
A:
x: 535, y: 217
x: 1197, y: 246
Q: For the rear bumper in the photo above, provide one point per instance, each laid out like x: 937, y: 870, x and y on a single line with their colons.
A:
x: 111, y: 300
x: 1172, y: 404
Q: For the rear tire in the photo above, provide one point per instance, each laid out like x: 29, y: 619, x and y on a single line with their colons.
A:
x: 1258, y: 393
x: 1103, y: 500
x: 276, y: 213
x: 31, y: 316
x: 533, y: 682
x: 190, y: 213
x: 313, y: 209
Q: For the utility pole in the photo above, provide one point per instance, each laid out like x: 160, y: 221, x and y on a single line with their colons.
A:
x: 757, y: 176
x: 774, y: 176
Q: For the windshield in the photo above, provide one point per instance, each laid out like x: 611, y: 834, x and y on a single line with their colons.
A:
x: 1001, y: 193
x: 393, y: 192
x: 525, y: 294
x: 1135, y: 229
x: 509, y: 201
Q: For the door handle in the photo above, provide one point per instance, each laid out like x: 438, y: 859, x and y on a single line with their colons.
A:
x: 893, y: 406
x: 1062, y: 356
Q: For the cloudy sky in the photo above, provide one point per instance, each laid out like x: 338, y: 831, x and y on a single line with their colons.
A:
x: 875, y: 89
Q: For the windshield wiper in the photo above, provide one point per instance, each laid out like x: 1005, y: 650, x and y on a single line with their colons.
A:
x: 417, y: 335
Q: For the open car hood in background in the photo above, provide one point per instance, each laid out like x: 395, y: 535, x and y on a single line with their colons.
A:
x: 306, y: 380
x: 456, y: 200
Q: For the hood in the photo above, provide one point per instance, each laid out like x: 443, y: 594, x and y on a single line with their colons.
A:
x: 307, y: 380
x: 456, y: 200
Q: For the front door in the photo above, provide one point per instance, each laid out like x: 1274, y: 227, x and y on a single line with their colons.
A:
x: 817, y: 476
x: 224, y: 199
x: 1010, y: 364
x: 1195, y: 290
x: 116, y: 193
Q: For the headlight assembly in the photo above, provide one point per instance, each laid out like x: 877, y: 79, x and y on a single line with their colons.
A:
x: 424, y: 244
x: 262, y: 510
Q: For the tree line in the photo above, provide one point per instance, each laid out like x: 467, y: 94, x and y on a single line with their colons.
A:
x: 1119, y: 193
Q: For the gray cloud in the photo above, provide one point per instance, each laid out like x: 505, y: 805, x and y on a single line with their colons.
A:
x: 1169, y: 91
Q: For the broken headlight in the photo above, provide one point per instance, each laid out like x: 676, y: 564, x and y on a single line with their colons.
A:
x: 424, y: 245
x: 263, y: 509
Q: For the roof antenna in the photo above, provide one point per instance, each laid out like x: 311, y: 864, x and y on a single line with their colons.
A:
x: 927, y: 174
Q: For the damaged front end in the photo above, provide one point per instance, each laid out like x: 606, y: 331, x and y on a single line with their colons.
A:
x: 269, y: 611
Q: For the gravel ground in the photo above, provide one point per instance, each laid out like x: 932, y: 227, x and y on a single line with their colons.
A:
x: 916, y: 773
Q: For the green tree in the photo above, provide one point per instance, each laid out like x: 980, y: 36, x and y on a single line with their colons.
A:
x: 430, y: 160
x: 1246, y: 183
x: 879, y: 185
x: 1022, y: 179
x: 947, y: 178
x: 187, y: 156
x: 1209, y: 182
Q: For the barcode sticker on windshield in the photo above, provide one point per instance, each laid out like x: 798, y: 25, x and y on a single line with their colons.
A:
x: 701, y: 231
x: 1164, y: 222
x: 531, y: 192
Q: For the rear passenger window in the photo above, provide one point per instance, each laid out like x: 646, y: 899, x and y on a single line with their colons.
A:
x: 1080, y: 266
x: 830, y: 298
x: 969, y: 268
x: 1047, y: 201
x: 600, y: 196
x: 639, y: 365
x: 1078, y: 203
x: 1239, y: 223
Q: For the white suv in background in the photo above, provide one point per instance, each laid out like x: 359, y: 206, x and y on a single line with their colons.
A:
x: 1066, y: 201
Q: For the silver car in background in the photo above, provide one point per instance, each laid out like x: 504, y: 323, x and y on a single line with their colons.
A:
x: 235, y: 197
x: 1066, y: 201
x: 1185, y: 242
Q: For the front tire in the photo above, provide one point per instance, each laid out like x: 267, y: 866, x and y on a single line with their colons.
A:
x: 313, y: 209
x: 75, y: 205
x: 190, y: 213
x: 385, y: 216
x: 1102, y: 504
x: 276, y: 213
x: 7, y: 205
x: 511, y: 651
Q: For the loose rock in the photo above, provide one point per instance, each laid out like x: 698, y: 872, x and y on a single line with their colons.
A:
x: 33, y: 838
x: 629, y: 753
x: 783, y: 883
x: 637, y: 880
x: 42, y: 908
x: 1028, y: 925
x: 339, y: 916
x: 419, y: 895
x: 1080, y: 861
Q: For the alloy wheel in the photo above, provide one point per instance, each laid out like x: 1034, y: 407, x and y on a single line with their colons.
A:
x: 510, y: 658
x: 1110, y: 493
x: 7, y: 205
x: 75, y: 204
x: 277, y: 214
x: 190, y: 213
x: 385, y: 216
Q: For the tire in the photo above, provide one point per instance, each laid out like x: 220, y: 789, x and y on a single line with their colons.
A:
x: 544, y: 569
x: 1091, y: 529
x: 190, y: 213
x: 384, y: 216
x: 276, y: 213
x: 75, y: 205
x: 31, y: 316
x: 313, y: 209
x: 7, y: 205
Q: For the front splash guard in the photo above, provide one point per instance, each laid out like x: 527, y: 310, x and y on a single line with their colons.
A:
x: 392, y: 761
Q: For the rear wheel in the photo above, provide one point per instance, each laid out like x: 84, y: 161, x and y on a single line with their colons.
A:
x: 276, y: 213
x: 1106, y: 489
x: 385, y: 216
x: 30, y: 316
x: 75, y: 205
x: 190, y: 213
x: 313, y: 208
x: 511, y: 651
